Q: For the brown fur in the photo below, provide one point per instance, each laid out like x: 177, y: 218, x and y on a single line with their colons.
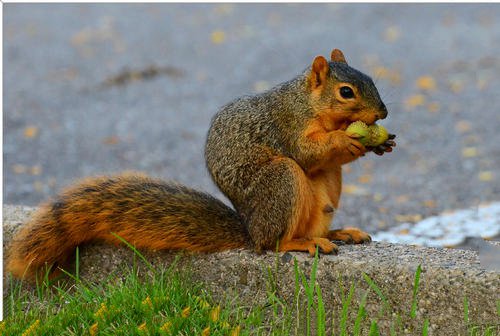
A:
x: 277, y: 156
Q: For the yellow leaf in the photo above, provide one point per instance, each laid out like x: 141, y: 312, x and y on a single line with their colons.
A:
x: 36, y: 170
x: 215, y: 313
x: 236, y: 331
x: 218, y: 36
x: 93, y: 329
x: 383, y: 210
x: 414, y: 101
x: 456, y: 85
x: 381, y: 71
x: 385, y: 73
x: 30, y: 132
x: 224, y: 9
x: 426, y: 83
x: 185, y: 312
x: 402, y: 199
x: 395, y: 77
x: 366, y: 178
x: 142, y: 327
x: 433, y: 107
x: 429, y: 203
x: 354, y: 190
x: 38, y: 186
x: 147, y: 302
x: 481, y: 84
x: 205, y: 331
x: 19, y: 168
x: 408, y: 218
x: 101, y: 311
x: 485, y: 176
x: 468, y: 152
x: 111, y: 140
x: 166, y: 326
x: 463, y: 126
x: 404, y: 232
x: 204, y: 304
x: 32, y: 329
x: 392, y: 34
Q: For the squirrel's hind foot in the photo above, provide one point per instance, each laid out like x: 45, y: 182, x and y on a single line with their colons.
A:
x: 309, y: 245
x: 350, y: 236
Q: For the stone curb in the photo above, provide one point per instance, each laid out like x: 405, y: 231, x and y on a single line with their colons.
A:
x: 447, y: 277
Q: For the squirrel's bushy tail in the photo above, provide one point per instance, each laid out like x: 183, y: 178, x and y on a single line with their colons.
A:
x: 146, y: 212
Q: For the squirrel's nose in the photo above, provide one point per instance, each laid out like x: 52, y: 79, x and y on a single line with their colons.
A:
x: 382, y: 111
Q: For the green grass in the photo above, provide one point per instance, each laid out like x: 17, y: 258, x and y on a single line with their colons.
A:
x: 150, y: 301
x: 162, y: 303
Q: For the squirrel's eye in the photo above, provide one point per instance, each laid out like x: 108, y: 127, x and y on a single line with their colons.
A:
x: 346, y: 92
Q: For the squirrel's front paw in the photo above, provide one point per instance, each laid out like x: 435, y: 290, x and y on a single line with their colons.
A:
x: 386, y: 147
x: 354, y: 147
x: 346, y: 148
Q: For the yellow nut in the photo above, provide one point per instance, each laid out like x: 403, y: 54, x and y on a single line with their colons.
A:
x: 379, y: 135
x: 373, y: 135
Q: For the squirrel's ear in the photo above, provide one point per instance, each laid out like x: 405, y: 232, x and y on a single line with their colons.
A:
x: 338, y: 56
x: 319, y: 71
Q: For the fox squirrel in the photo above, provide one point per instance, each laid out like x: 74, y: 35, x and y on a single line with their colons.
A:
x: 276, y: 155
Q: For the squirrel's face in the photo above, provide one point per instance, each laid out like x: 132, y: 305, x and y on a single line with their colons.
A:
x: 341, y: 95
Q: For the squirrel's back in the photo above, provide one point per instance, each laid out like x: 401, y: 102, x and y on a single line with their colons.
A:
x: 145, y: 212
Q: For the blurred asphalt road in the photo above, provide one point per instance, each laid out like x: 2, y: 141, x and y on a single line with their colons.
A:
x: 100, y: 88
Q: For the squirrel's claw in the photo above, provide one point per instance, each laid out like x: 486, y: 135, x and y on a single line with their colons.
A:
x: 386, y: 147
x: 355, y: 136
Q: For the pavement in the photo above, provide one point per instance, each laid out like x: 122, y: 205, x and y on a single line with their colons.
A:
x: 101, y: 88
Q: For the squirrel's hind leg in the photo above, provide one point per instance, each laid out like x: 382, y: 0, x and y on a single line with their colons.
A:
x: 276, y: 203
x: 282, y: 203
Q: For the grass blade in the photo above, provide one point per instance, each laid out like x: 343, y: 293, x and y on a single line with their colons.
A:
x: 345, y: 311
x: 413, y: 312
x: 374, y: 329
x: 77, y: 264
x: 297, y: 292
x: 139, y: 254
x: 377, y: 290
x: 361, y: 315
x: 425, y: 329
x: 320, y: 312
x: 466, y: 310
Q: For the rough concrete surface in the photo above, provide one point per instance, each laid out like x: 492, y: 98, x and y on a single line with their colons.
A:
x: 447, y: 277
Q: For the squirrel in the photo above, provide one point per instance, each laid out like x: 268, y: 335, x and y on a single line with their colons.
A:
x: 276, y: 155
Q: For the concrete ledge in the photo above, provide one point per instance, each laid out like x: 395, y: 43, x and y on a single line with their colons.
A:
x: 447, y: 277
